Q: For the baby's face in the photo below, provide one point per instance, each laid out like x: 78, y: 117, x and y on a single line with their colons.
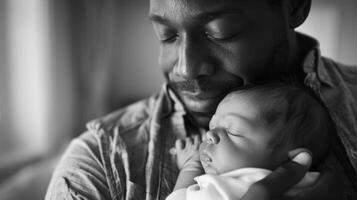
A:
x: 237, y: 138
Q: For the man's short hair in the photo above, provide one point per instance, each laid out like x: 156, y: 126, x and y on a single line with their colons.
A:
x: 274, y: 2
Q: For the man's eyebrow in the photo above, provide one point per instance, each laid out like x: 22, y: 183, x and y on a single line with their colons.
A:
x: 208, y: 16
x: 159, y: 19
x: 202, y: 17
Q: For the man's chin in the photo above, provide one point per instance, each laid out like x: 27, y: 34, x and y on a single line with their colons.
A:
x: 201, y: 110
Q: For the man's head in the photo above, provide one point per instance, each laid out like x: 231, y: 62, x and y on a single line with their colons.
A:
x: 256, y: 127
x: 209, y: 47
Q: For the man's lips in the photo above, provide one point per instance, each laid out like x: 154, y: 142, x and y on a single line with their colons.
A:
x: 202, y: 102
x: 201, y: 95
x: 204, y: 87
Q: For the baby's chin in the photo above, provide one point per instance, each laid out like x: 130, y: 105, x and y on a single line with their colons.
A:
x: 210, y: 170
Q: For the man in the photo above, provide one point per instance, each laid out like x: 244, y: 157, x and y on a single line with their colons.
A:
x: 208, y: 48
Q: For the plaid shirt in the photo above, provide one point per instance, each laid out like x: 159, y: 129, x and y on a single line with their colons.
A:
x: 125, y: 155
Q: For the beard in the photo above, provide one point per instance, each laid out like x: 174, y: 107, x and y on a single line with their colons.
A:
x: 201, y: 97
x: 204, y: 85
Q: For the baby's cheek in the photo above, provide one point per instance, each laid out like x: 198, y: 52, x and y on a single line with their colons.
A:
x: 228, y: 158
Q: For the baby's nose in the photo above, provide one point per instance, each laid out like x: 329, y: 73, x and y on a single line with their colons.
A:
x: 212, y: 137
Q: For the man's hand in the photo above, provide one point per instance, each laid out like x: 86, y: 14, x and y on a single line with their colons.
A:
x: 328, y: 187
x: 286, y: 176
x: 282, y: 179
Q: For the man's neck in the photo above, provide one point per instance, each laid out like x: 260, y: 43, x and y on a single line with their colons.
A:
x: 297, y: 53
x: 303, y: 46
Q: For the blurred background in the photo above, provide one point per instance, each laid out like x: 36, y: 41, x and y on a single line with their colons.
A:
x: 65, y: 62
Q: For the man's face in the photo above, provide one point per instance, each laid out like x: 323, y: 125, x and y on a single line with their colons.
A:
x: 209, y: 47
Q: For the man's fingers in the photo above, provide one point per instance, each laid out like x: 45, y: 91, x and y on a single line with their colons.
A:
x: 326, y: 187
x: 282, y: 179
x: 301, y: 156
x: 287, y: 175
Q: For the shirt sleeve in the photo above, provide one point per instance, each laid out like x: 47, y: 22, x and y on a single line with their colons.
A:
x: 80, y: 173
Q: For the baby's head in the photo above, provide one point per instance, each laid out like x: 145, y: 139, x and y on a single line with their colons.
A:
x: 256, y: 127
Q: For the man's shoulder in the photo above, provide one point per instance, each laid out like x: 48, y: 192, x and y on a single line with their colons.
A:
x: 341, y: 80
x: 89, y: 154
x: 332, y: 67
x: 339, y: 94
x: 335, y: 73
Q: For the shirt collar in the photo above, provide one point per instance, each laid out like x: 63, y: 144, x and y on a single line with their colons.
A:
x: 313, y: 62
x: 175, y: 104
x: 178, y: 107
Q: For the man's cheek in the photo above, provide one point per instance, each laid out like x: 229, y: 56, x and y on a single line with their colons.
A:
x: 249, y: 64
x: 167, y: 60
x: 234, y: 56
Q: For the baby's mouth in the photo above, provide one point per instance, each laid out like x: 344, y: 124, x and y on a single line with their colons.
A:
x: 205, y: 159
x: 207, y: 164
x: 203, y: 153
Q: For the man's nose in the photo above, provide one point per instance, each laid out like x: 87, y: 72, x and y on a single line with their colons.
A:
x: 212, y: 137
x: 193, y: 60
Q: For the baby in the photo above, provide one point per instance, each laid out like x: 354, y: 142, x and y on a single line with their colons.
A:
x: 251, y: 134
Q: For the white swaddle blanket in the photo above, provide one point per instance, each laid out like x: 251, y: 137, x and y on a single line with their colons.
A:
x: 232, y: 185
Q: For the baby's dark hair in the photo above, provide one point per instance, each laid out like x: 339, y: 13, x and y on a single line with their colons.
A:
x: 297, y: 114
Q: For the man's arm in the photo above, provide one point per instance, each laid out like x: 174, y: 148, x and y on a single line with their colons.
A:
x: 79, y: 174
x: 275, y: 185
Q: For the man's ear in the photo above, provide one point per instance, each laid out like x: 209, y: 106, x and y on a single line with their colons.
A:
x: 298, y: 11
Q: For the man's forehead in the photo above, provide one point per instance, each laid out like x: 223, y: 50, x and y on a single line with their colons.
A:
x: 166, y: 8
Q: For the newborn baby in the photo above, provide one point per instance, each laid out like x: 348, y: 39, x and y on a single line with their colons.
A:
x: 251, y: 134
